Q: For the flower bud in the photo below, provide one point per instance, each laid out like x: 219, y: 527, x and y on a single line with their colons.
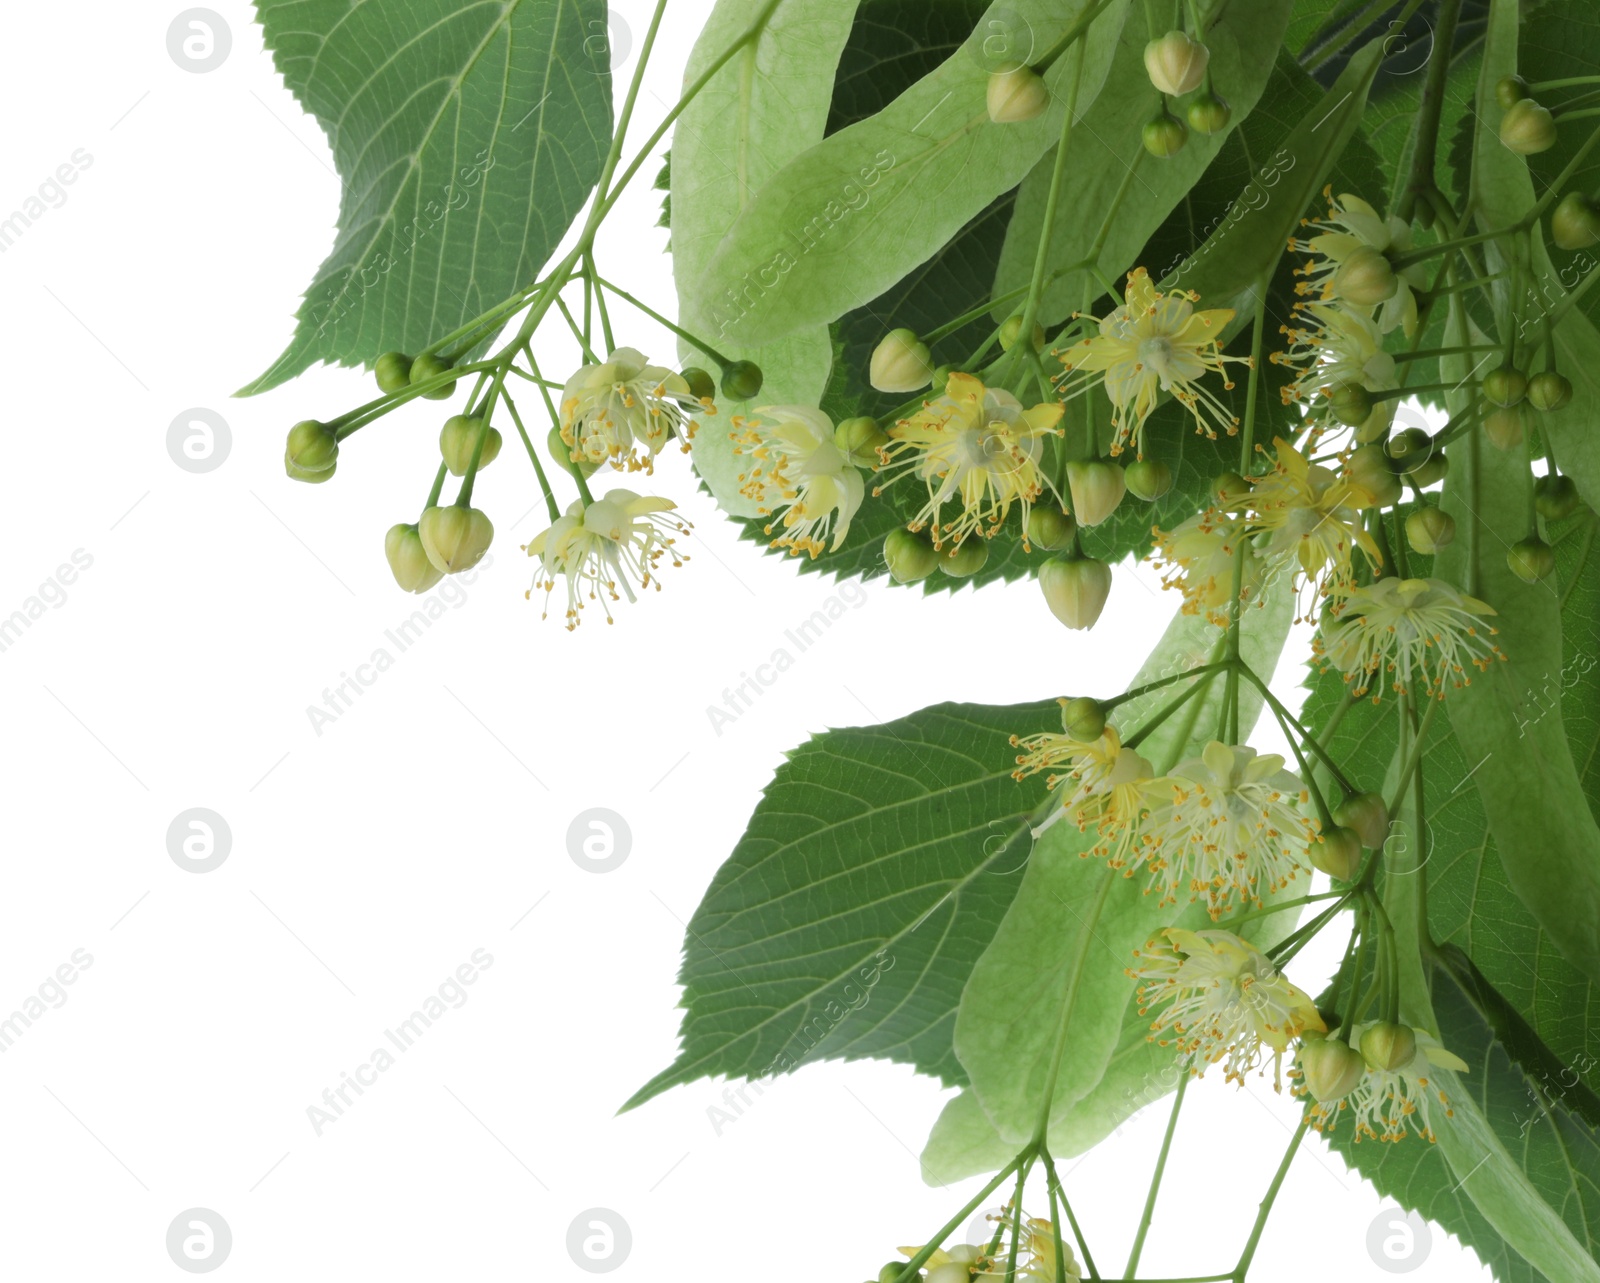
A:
x: 1527, y: 128
x: 1050, y: 528
x: 1369, y: 468
x: 1368, y: 816
x: 894, y: 1271
x: 1016, y: 95
x: 1176, y: 63
x: 900, y: 363
x: 966, y: 558
x: 1076, y: 591
x: 1412, y: 446
x: 1555, y: 497
x: 1351, y: 404
x: 1575, y: 222
x: 428, y: 366
x: 1338, y: 854
x: 741, y: 380
x: 909, y: 556
x: 1531, y: 560
x: 393, y: 371
x: 408, y: 560
x: 1505, y: 386
x: 455, y: 538
x: 702, y: 387
x: 1230, y: 490
x: 459, y: 438
x: 859, y: 439
x: 1364, y: 278
x: 312, y: 447
x: 1330, y: 1068
x: 1012, y: 330
x: 1083, y: 718
x: 562, y: 454
x: 1504, y: 428
x: 1549, y: 391
x: 1148, y: 479
x: 1428, y: 530
x: 960, y: 1263
x: 1209, y: 114
x: 1164, y: 136
x: 1387, y: 1046
x: 302, y: 474
x: 1510, y: 90
x: 1097, y: 488
x: 941, y: 376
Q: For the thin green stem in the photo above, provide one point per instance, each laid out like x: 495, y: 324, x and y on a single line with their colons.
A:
x: 544, y: 482
x: 913, y: 1267
x: 692, y: 340
x: 1249, y: 1254
x: 1131, y: 1270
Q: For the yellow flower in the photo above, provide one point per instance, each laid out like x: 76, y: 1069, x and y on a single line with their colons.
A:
x: 976, y: 448
x: 1423, y: 631
x: 1221, y: 1001
x: 1330, y: 345
x: 1103, y: 785
x: 1308, y: 516
x: 799, y: 473
x: 614, y: 541
x: 1388, y: 1105
x: 1199, y: 557
x: 1153, y: 343
x: 1351, y: 233
x: 610, y: 410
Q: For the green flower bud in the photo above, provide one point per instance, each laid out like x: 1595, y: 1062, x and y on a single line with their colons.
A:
x: 312, y: 446
x: 1549, y: 391
x: 1527, y: 128
x: 302, y: 474
x: 1097, y: 488
x: 1338, y: 854
x: 742, y: 380
x: 1367, y: 814
x: 428, y: 366
x: 393, y: 370
x: 1148, y: 479
x: 455, y: 538
x: 701, y: 385
x: 1015, y: 95
x: 1351, y: 404
x: 1230, y: 490
x: 408, y: 560
x: 1555, y: 497
x: 1364, y: 278
x: 459, y: 437
x: 1209, y: 114
x: 859, y: 439
x: 1532, y: 559
x: 1504, y: 428
x: 1510, y: 90
x: 1505, y: 386
x: 1428, y: 530
x: 1369, y: 468
x: 966, y: 558
x: 1409, y: 448
x: 910, y: 556
x: 1050, y: 528
x: 1575, y: 222
x: 563, y: 456
x: 1175, y: 63
x: 1012, y: 330
x: 894, y: 1271
x: 900, y: 363
x: 1076, y: 591
x: 1164, y: 136
x: 1083, y: 718
x: 1330, y: 1068
x: 1377, y: 424
x: 1433, y: 469
x: 1387, y: 1046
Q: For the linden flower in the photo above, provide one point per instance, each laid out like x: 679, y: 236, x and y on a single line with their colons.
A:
x: 1308, y: 515
x: 614, y: 541
x: 1424, y: 631
x: 1352, y: 228
x: 1199, y: 557
x: 608, y: 410
x: 1331, y: 345
x: 1221, y: 1002
x: 1103, y: 785
x: 1153, y: 343
x: 799, y: 473
x: 1230, y: 820
x: 977, y: 448
x: 1388, y: 1105
x: 1036, y: 1256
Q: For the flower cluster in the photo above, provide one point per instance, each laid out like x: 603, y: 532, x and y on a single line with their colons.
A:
x: 1419, y: 634
x: 1388, y: 1084
x: 601, y: 546
x: 1037, y: 1246
x: 799, y: 476
x: 623, y: 410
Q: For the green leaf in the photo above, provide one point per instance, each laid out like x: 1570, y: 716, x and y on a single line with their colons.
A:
x: 852, y: 215
x: 766, y: 106
x: 467, y: 136
x: 873, y: 873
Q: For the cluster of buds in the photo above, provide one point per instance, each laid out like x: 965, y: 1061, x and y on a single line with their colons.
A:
x: 1179, y: 65
x: 1383, y: 1073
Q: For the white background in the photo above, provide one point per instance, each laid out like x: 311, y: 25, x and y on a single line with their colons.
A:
x: 430, y: 820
